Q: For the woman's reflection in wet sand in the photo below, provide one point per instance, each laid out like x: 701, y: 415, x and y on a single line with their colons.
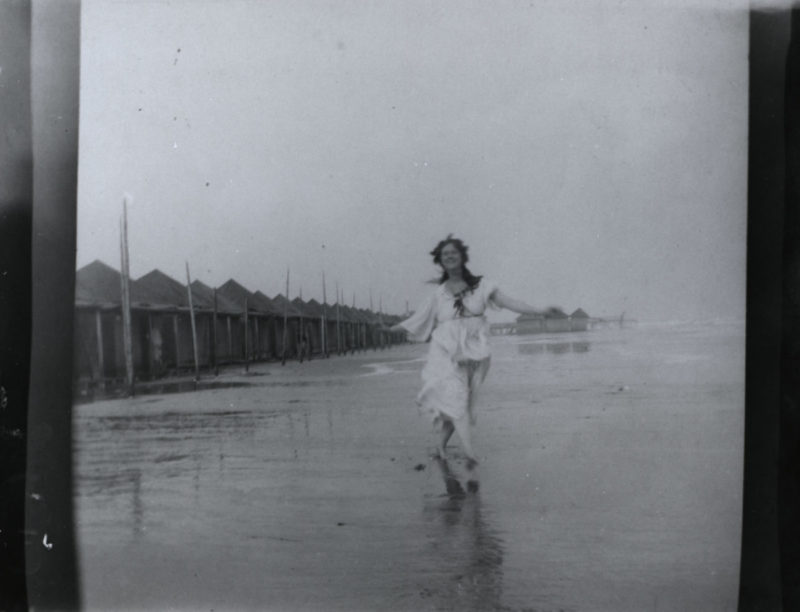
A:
x: 467, y: 552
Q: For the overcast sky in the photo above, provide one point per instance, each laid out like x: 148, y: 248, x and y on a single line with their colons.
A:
x: 592, y: 155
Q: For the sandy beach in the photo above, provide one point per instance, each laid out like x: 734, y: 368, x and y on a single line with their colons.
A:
x: 609, y: 479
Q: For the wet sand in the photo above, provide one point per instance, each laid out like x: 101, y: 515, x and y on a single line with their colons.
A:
x: 610, y: 479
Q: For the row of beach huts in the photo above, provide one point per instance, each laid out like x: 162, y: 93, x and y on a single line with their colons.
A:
x: 232, y: 325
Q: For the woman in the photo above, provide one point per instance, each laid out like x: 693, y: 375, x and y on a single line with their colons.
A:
x: 458, y: 359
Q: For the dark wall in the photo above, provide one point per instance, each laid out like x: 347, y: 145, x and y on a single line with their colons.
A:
x: 54, y: 58
x: 16, y: 209
x: 761, y: 585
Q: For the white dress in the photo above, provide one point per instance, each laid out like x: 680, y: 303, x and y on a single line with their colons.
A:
x: 458, y: 357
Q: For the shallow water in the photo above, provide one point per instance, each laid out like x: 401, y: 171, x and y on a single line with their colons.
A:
x: 610, y: 479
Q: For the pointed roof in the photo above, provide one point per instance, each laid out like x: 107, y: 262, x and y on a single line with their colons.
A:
x: 159, y: 289
x: 261, y: 303
x: 314, y: 308
x: 346, y: 313
x: 98, y: 284
x: 206, y: 293
x: 579, y: 314
x: 555, y: 313
x: 281, y: 302
x: 237, y: 294
x: 369, y: 316
x: 303, y: 307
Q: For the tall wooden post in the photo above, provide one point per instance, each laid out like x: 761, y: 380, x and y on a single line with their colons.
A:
x: 381, y: 333
x: 301, y: 340
x: 151, y: 351
x: 194, y: 326
x: 214, y: 337
x: 230, y: 338
x: 256, y: 331
x: 127, y: 336
x: 324, y: 318
x: 275, y: 336
x: 246, y: 343
x: 285, y: 319
x: 100, y: 360
x: 177, y: 343
x: 338, y: 324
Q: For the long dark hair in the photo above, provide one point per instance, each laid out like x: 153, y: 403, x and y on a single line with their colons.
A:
x: 469, y: 278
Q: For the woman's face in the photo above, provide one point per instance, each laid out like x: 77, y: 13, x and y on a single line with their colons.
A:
x: 451, y: 257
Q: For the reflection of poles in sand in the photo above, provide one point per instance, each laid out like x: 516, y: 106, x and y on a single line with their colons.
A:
x: 468, y: 554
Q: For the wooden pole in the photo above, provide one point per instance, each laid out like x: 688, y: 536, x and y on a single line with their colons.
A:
x: 230, y: 338
x: 356, y: 326
x: 338, y: 324
x: 151, y: 351
x: 177, y: 343
x: 127, y: 336
x: 100, y: 360
x: 285, y: 319
x: 324, y: 318
x: 194, y: 325
x: 381, y: 334
x: 301, y: 341
x: 246, y: 343
x: 275, y: 336
x: 129, y: 326
x: 214, y: 337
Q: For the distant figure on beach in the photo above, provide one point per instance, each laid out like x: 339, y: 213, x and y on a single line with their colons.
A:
x: 453, y: 318
x: 304, y: 347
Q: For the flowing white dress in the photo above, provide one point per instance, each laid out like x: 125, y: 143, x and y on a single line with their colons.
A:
x: 458, y: 357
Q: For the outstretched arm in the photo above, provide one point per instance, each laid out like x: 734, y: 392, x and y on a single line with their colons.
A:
x: 504, y: 301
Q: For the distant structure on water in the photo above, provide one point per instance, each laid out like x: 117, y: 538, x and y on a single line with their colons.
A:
x: 555, y: 321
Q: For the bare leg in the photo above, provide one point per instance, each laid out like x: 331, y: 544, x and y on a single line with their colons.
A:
x: 464, y: 430
x: 447, y: 431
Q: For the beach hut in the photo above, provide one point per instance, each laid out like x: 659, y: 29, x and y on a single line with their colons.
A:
x: 267, y: 328
x: 227, y: 314
x: 241, y: 338
x: 311, y: 324
x: 530, y: 324
x: 353, y: 321
x: 99, y: 350
x: 556, y: 320
x: 293, y: 315
x: 579, y: 320
x: 371, y: 328
x: 98, y: 353
x: 161, y: 306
